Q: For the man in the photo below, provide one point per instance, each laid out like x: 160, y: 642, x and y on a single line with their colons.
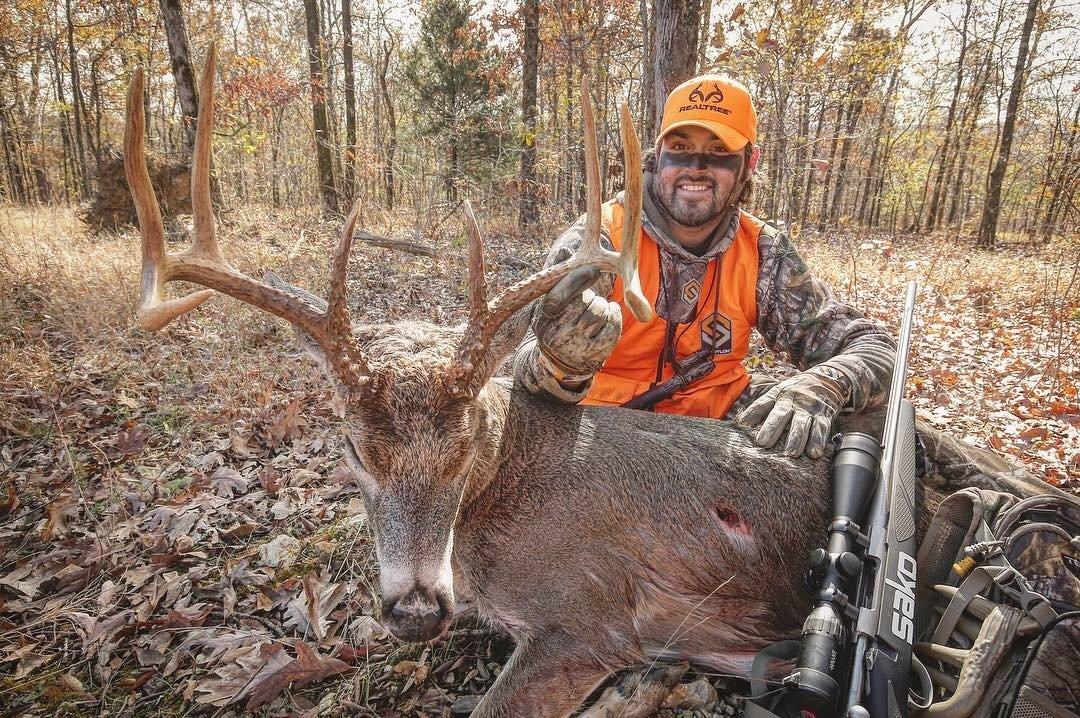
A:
x: 713, y: 272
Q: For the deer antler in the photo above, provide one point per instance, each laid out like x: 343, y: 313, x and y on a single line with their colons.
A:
x: 204, y: 264
x: 486, y: 317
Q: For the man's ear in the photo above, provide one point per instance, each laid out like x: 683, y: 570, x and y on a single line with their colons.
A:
x: 755, y: 156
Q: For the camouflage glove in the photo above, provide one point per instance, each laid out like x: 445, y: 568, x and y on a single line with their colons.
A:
x: 805, y: 405
x: 576, y: 328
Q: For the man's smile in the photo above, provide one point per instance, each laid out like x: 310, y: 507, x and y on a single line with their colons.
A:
x: 695, y: 188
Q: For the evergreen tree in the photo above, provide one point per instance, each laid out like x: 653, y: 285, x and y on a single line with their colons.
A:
x: 460, y: 86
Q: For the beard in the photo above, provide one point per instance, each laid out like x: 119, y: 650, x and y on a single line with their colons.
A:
x: 690, y: 211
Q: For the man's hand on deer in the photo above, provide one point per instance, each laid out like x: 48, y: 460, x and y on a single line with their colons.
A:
x: 805, y: 405
x: 576, y: 328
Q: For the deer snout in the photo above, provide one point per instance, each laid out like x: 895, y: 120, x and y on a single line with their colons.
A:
x: 417, y: 616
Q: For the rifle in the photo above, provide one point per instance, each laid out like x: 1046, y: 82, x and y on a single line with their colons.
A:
x: 858, y: 638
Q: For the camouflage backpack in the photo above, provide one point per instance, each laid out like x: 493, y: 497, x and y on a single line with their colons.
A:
x: 999, y: 606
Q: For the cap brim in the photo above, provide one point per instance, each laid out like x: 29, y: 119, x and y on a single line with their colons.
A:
x: 733, y: 139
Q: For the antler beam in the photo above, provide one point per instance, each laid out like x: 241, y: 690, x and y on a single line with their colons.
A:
x: 486, y: 317
x: 203, y: 263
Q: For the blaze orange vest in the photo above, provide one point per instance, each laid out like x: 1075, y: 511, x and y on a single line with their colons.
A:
x: 726, y: 312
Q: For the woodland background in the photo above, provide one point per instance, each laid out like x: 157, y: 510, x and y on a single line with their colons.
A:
x: 907, y: 115
x: 177, y: 534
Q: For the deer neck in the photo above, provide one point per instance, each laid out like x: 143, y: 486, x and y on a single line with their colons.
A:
x: 493, y: 405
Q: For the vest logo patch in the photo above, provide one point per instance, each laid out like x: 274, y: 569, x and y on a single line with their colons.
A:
x: 716, y: 333
x: 691, y: 292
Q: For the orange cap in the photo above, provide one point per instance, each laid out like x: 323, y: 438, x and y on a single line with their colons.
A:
x: 717, y: 103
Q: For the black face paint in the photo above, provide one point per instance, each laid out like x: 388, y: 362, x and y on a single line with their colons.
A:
x: 700, y: 160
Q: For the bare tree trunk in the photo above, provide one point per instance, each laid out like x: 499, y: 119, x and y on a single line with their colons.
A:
x: 528, y: 212
x: 675, y: 47
x: 811, y: 172
x: 18, y: 184
x: 1067, y: 177
x: 823, y: 217
x: 391, y: 122
x: 992, y: 205
x: 966, y: 133
x: 349, y: 179
x: 802, y: 156
x: 76, y: 101
x: 180, y: 56
x: 947, y: 155
x: 319, y: 117
x: 842, y: 175
x: 866, y: 206
x: 648, y: 34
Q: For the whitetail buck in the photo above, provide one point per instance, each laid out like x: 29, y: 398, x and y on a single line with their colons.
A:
x: 598, y: 538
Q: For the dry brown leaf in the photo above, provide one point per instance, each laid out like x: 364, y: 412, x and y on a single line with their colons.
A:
x: 307, y: 667
x: 309, y: 612
x: 12, y: 501
x: 228, y: 482
x: 59, y: 510
x: 288, y: 425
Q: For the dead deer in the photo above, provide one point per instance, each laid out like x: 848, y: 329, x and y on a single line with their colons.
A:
x: 598, y: 538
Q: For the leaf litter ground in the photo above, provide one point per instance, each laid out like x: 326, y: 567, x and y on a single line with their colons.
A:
x: 178, y: 534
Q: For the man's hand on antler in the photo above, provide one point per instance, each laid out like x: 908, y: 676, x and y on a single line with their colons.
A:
x: 576, y: 328
x: 805, y: 405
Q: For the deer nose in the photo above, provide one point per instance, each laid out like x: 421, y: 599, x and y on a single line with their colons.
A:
x: 415, y: 618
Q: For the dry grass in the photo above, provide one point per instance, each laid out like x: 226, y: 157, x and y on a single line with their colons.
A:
x: 102, y: 425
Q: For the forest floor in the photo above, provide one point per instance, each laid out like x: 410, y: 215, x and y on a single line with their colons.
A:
x: 178, y: 535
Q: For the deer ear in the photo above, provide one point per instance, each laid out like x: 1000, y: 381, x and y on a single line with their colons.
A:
x: 307, y: 342
x: 505, y: 341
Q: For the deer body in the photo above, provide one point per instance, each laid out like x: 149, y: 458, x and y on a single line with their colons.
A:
x: 695, y: 525
x: 603, y: 538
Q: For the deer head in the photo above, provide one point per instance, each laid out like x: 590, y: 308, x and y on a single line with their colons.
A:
x: 412, y: 393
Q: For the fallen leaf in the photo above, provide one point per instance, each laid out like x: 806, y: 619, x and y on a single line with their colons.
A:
x: 288, y: 425
x: 309, y: 612
x: 228, y: 482
x: 59, y: 511
x: 278, y: 673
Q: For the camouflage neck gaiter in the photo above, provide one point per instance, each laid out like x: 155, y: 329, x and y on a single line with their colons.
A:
x: 682, y: 274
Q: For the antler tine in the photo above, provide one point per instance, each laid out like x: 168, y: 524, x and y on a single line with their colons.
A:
x: 153, y: 313
x: 632, y: 204
x: 205, y: 244
x: 478, y: 303
x: 337, y: 304
x: 346, y: 356
x: 203, y: 263
x: 592, y: 167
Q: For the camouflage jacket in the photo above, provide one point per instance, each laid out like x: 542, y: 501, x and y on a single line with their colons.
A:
x: 797, y: 315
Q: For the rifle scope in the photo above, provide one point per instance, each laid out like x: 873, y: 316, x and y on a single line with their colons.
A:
x: 814, y: 689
